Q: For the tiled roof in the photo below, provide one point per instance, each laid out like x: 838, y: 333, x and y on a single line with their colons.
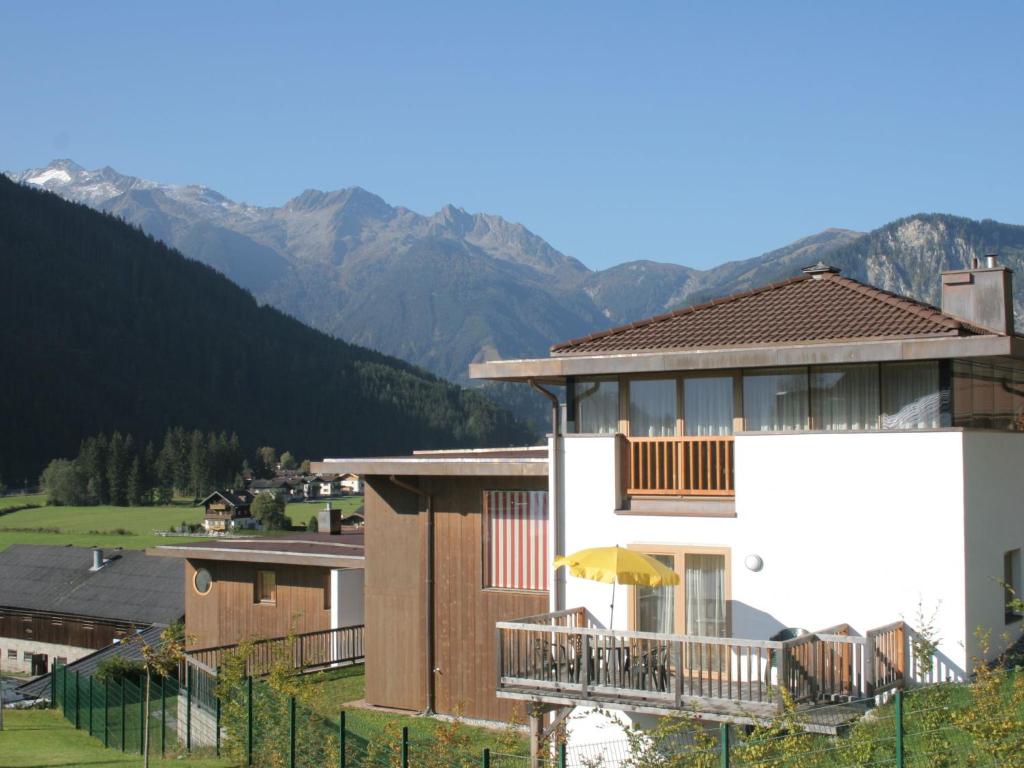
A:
x: 811, y: 308
x: 129, y: 587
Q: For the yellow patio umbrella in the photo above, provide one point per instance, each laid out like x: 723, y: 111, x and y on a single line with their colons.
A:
x: 615, y: 565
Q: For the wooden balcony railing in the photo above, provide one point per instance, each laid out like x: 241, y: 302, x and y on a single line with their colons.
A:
x: 309, y: 650
x: 564, y: 657
x: 679, y: 466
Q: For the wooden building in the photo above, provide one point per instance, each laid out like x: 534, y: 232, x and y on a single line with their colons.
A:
x: 224, y: 510
x: 246, y: 589
x: 64, y: 603
x: 434, y: 588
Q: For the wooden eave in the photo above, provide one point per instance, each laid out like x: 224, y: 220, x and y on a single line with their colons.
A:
x: 556, y: 368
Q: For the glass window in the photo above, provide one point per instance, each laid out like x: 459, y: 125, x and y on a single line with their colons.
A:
x: 910, y: 396
x: 1013, y: 591
x: 266, y: 587
x: 12, y: 654
x: 705, y: 595
x: 517, y: 540
x: 26, y: 656
x: 203, y: 581
x: 987, y: 396
x: 652, y: 407
x: 707, y: 405
x: 775, y: 401
x: 655, y: 606
x: 844, y: 397
x: 597, y: 407
x: 327, y: 591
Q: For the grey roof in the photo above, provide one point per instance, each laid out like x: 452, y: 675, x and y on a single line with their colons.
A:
x: 132, y: 651
x: 234, y: 498
x: 129, y: 587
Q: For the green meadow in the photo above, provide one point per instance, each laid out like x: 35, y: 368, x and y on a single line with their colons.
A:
x: 127, y: 527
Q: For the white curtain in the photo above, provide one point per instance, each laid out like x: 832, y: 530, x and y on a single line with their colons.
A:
x: 910, y: 396
x: 652, y: 407
x: 655, y: 606
x: 597, y: 407
x: 775, y: 401
x: 705, y: 595
x: 707, y: 406
x: 845, y: 397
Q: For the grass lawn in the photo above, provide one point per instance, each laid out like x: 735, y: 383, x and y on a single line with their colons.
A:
x: 17, y: 501
x: 127, y: 527
x: 336, y: 688
x: 40, y: 738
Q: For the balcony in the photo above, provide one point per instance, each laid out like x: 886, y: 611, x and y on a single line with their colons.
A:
x: 679, y: 466
x: 564, y: 659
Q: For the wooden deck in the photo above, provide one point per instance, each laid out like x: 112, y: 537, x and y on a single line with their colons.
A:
x: 563, y: 659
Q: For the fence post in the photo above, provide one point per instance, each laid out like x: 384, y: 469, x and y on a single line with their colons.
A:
x: 163, y: 716
x: 106, y: 713
x: 142, y: 719
x: 122, y: 714
x: 405, y: 746
x: 89, y: 697
x: 64, y: 692
x: 341, y: 739
x: 78, y: 680
x: 53, y: 686
x: 723, y: 745
x: 486, y: 763
x: 217, y: 724
x: 188, y: 708
x: 899, y: 729
x: 291, y: 732
x: 561, y: 756
x: 248, y: 741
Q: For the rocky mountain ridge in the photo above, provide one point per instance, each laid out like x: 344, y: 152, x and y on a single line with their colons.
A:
x: 454, y: 287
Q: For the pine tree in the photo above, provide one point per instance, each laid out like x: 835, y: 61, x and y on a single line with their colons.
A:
x: 135, y: 484
x: 117, y: 474
x: 199, y: 468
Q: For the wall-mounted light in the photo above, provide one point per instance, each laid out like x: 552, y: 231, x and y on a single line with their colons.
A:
x: 753, y: 562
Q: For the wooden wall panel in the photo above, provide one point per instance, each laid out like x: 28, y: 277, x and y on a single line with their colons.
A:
x: 228, y: 613
x: 466, y: 612
x: 395, y: 596
x: 62, y: 630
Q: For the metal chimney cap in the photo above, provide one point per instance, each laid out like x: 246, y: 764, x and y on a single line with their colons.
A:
x: 821, y: 268
x: 991, y: 260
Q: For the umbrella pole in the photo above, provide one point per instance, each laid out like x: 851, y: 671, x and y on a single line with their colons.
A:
x: 611, y: 618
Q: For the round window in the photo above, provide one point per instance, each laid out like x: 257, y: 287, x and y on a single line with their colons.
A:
x: 203, y: 581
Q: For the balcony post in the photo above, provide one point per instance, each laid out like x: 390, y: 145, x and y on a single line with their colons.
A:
x: 500, y: 657
x: 584, y: 663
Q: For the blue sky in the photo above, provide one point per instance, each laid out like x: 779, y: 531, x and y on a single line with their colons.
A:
x: 693, y: 133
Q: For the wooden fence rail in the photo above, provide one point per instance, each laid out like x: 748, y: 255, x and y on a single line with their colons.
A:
x: 565, y: 655
x: 681, y: 466
x: 310, y: 650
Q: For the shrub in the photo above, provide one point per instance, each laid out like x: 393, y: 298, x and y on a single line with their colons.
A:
x: 114, y: 668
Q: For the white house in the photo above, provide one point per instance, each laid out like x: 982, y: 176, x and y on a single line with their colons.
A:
x: 817, y: 459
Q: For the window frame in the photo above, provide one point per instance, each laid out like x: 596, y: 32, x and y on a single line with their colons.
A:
x: 485, y: 537
x: 327, y: 589
x: 258, y: 587
x: 679, y: 552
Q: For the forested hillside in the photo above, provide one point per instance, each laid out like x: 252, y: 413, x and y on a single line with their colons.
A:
x: 103, y: 328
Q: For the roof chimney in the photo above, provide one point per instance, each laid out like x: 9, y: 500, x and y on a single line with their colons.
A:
x: 821, y: 268
x: 97, y: 559
x: 981, y: 295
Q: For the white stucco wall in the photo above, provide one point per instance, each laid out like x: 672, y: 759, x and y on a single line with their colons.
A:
x: 52, y: 650
x: 856, y: 528
x: 994, y: 492
x: 346, y: 597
